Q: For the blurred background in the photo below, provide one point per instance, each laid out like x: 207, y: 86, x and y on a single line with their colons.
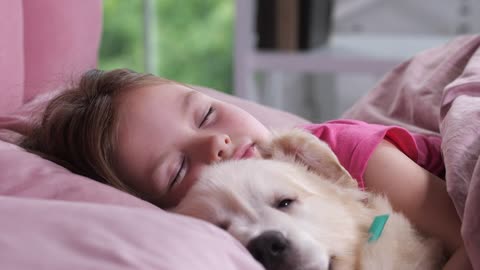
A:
x: 191, y: 40
x: 314, y: 58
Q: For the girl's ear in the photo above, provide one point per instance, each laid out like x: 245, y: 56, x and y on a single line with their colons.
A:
x: 303, y: 147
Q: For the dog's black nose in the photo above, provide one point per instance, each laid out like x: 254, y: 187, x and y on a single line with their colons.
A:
x: 270, y: 248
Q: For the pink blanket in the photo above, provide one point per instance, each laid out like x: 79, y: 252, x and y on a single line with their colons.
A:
x: 438, y: 92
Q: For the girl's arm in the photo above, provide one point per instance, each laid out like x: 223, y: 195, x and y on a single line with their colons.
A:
x: 420, y: 195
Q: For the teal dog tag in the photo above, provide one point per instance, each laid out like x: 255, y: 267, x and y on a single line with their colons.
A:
x: 377, y: 226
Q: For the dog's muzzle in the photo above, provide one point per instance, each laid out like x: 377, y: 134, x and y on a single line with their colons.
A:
x: 272, y: 250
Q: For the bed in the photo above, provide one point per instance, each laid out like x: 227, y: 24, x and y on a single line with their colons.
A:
x: 54, y: 219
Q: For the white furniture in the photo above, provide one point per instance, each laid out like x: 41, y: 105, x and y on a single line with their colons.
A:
x: 345, y: 53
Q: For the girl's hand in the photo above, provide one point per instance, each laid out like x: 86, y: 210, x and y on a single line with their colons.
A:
x: 421, y: 196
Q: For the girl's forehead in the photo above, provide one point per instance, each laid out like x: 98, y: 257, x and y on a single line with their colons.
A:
x: 159, y: 96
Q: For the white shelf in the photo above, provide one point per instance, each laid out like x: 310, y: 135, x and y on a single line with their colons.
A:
x: 344, y: 53
x: 347, y: 53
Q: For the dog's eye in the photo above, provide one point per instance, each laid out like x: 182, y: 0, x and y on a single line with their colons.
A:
x: 284, y: 203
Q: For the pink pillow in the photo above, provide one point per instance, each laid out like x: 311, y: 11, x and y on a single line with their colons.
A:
x: 46, y: 234
x: 28, y: 175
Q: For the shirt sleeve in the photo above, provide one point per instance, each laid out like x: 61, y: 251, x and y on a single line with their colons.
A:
x: 354, y: 142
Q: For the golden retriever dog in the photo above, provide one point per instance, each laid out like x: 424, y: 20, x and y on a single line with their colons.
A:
x: 299, y: 209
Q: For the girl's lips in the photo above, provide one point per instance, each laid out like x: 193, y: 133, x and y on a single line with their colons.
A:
x: 244, y: 152
x: 249, y: 153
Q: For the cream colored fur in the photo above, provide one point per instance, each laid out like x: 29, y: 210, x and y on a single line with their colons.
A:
x: 328, y: 220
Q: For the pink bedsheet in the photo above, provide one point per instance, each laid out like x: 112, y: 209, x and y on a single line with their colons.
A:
x: 438, y: 92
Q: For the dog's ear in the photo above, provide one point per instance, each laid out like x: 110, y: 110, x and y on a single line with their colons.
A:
x: 297, y: 145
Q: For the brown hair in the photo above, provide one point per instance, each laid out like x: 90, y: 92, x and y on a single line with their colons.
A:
x: 78, y: 127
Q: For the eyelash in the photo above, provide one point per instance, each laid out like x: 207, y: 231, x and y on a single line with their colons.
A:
x: 207, y: 116
x: 183, y: 162
x: 181, y: 169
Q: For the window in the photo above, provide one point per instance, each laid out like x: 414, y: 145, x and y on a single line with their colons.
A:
x: 192, y: 40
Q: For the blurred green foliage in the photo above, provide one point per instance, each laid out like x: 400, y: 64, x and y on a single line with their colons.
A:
x: 194, y: 39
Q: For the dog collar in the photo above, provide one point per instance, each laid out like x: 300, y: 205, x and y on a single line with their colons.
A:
x: 377, y: 226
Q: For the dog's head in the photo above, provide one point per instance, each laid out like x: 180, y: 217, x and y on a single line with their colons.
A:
x: 288, y: 217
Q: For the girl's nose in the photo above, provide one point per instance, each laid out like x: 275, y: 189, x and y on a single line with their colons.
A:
x: 212, y: 148
x: 219, y: 147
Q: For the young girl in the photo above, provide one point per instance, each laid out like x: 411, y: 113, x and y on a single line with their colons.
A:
x: 152, y: 137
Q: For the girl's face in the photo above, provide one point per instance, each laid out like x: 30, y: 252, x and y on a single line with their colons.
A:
x: 168, y: 133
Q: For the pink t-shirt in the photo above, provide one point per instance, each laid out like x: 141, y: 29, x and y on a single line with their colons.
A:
x: 354, y: 141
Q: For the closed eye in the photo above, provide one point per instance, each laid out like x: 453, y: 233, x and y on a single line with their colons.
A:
x: 182, y: 169
x: 207, y: 116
